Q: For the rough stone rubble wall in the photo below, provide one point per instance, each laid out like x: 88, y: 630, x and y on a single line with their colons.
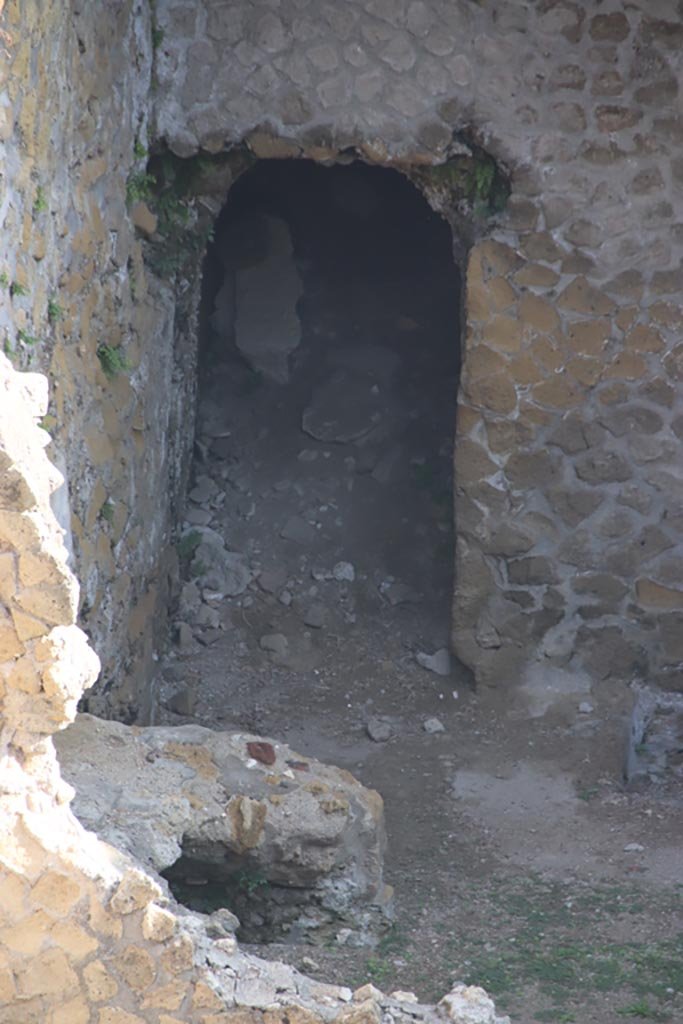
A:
x: 570, y: 543
x: 75, y: 81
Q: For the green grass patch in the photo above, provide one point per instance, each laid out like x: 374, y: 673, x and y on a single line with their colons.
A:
x: 112, y: 360
x: 54, y: 311
x: 40, y: 202
x: 27, y: 339
x: 643, y: 1011
x: 107, y: 511
x: 139, y: 187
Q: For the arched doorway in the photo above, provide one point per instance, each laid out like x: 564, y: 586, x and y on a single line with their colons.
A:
x: 319, y: 527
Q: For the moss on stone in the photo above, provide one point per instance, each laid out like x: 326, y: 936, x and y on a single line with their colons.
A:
x: 476, y: 182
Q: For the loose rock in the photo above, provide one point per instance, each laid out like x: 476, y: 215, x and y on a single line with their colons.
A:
x: 298, y: 530
x: 222, y: 923
x: 345, y: 408
x: 182, y: 702
x: 276, y: 643
x: 439, y: 662
x: 315, y: 616
x: 208, y: 617
x: 433, y: 725
x: 319, y: 844
x: 184, y: 634
x: 218, y: 569
x: 468, y: 1004
x: 344, y: 571
x: 204, y: 490
x: 271, y: 580
x: 378, y: 730
x: 198, y: 517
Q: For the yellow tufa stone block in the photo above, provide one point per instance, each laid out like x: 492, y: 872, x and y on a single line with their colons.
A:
x: 12, y: 895
x: 112, y: 1015
x: 501, y: 295
x: 24, y: 677
x: 468, y: 419
x: 166, y: 997
x: 586, y: 371
x: 536, y: 275
x: 76, y: 1011
x: 496, y: 393
x: 135, y: 891
x: 143, y: 219
x: 651, y: 594
x: 503, y: 333
x: 28, y: 936
x: 538, y: 314
x: 483, y: 361
x: 178, y: 955
x: 102, y: 922
x: 10, y: 645
x: 7, y: 988
x: 56, y: 604
x: 546, y: 354
x: 204, y: 998
x: 496, y: 257
x: 626, y: 366
x: 472, y: 462
x: 581, y: 297
x: 27, y: 627
x: 524, y: 370
x: 49, y: 974
x: 158, y: 924
x: 625, y: 317
x: 98, y: 982
x: 558, y: 393
x: 643, y: 338
x: 366, y: 1012
x: 74, y: 940
x: 136, y: 967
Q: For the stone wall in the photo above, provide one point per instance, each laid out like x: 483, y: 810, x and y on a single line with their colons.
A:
x: 569, y: 539
x: 77, y: 303
x: 570, y: 552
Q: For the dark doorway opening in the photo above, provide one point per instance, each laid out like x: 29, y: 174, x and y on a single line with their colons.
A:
x: 318, y: 541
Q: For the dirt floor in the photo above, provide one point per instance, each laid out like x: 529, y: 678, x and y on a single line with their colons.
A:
x: 519, y: 859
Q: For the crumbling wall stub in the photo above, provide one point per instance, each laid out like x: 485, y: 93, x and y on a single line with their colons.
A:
x: 294, y: 847
x: 569, y: 543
